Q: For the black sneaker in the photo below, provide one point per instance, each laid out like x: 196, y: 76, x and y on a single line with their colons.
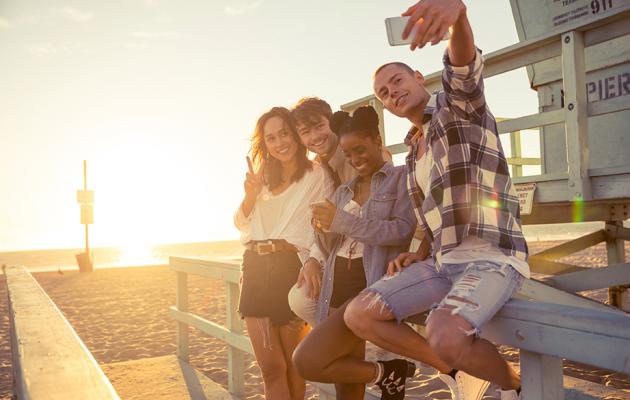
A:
x: 392, y: 383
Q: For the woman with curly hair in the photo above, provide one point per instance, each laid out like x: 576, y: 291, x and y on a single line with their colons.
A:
x: 274, y: 220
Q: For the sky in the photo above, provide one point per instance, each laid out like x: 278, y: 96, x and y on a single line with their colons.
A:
x: 161, y: 96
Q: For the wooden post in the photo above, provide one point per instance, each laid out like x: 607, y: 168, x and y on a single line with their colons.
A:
x: 87, y: 245
x: 236, y: 357
x: 541, y: 377
x: 616, y: 255
x: 576, y: 114
x: 181, y: 302
x: 86, y: 199
x: 515, y: 147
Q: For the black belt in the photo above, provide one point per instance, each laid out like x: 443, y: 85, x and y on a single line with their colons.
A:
x: 269, y: 246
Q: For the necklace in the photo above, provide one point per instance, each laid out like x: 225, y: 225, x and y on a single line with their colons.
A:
x: 359, y: 190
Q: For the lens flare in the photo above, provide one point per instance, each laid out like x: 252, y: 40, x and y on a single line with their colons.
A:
x: 577, y: 209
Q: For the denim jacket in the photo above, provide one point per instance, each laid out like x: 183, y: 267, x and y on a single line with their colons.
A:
x: 386, y: 228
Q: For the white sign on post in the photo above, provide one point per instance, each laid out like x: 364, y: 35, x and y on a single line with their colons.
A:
x: 86, y: 199
x: 525, y: 194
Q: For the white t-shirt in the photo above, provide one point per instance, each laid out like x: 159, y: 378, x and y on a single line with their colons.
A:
x: 286, y: 215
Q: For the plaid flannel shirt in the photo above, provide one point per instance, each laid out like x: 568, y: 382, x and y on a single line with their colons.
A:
x: 471, y: 192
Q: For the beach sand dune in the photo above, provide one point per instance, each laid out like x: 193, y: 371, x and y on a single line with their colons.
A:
x: 122, y: 314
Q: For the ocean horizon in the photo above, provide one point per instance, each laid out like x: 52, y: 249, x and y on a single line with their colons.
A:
x: 122, y: 256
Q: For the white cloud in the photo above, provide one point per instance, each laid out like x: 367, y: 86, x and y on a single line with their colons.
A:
x: 4, y: 23
x: 43, y: 49
x: 242, y: 7
x: 136, y: 46
x: 28, y: 20
x: 75, y: 15
x: 46, y: 49
x: 159, y: 35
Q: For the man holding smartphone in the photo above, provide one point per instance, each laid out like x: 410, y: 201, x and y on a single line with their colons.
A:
x: 458, y: 180
x: 312, y: 117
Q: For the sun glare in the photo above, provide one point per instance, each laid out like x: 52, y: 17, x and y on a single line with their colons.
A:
x: 136, y: 254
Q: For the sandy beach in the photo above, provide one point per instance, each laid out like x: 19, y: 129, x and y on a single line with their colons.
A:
x: 122, y: 314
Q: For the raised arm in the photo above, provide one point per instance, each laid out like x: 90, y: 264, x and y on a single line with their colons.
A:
x: 461, y: 46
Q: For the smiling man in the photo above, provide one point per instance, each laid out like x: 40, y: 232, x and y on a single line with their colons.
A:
x: 312, y: 116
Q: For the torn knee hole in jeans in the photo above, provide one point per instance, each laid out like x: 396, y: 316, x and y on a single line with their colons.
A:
x: 452, y: 302
x: 374, y: 300
x: 492, y: 268
x: 457, y: 299
x: 455, y: 304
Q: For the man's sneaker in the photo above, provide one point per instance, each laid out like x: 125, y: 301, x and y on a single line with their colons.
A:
x: 392, y: 383
x: 509, y: 395
x: 464, y: 386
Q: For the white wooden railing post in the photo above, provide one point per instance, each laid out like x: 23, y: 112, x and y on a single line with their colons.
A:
x: 181, y: 302
x: 541, y: 376
x: 515, y: 148
x: 576, y: 114
x: 236, y: 357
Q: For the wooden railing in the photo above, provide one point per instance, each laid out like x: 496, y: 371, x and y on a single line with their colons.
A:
x: 516, y: 159
x: 569, y: 44
x: 547, y: 324
x: 232, y: 333
x: 49, y: 360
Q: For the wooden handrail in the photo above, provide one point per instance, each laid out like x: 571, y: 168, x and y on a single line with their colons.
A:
x: 49, y: 360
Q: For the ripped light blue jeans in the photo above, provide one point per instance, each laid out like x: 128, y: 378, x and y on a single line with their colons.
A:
x: 475, y: 290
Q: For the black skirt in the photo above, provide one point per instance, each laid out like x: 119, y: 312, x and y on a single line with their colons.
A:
x: 266, y: 283
x: 349, y: 280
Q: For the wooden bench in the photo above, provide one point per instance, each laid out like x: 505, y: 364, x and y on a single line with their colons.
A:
x: 49, y: 360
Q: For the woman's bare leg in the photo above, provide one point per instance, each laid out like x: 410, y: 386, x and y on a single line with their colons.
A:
x: 326, y: 355
x: 270, y: 357
x: 290, y: 336
x: 348, y: 391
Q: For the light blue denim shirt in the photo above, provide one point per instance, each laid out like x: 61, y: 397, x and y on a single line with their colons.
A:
x: 385, y: 229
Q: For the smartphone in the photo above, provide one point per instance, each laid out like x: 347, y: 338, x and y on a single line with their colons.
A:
x: 395, y: 27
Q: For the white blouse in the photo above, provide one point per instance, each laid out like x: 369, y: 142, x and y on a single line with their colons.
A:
x: 287, y: 215
x: 348, y: 249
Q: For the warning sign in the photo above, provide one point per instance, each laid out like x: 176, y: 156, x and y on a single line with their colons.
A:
x: 525, y: 194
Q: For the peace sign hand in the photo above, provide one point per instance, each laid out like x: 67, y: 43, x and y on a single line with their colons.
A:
x: 253, y: 180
